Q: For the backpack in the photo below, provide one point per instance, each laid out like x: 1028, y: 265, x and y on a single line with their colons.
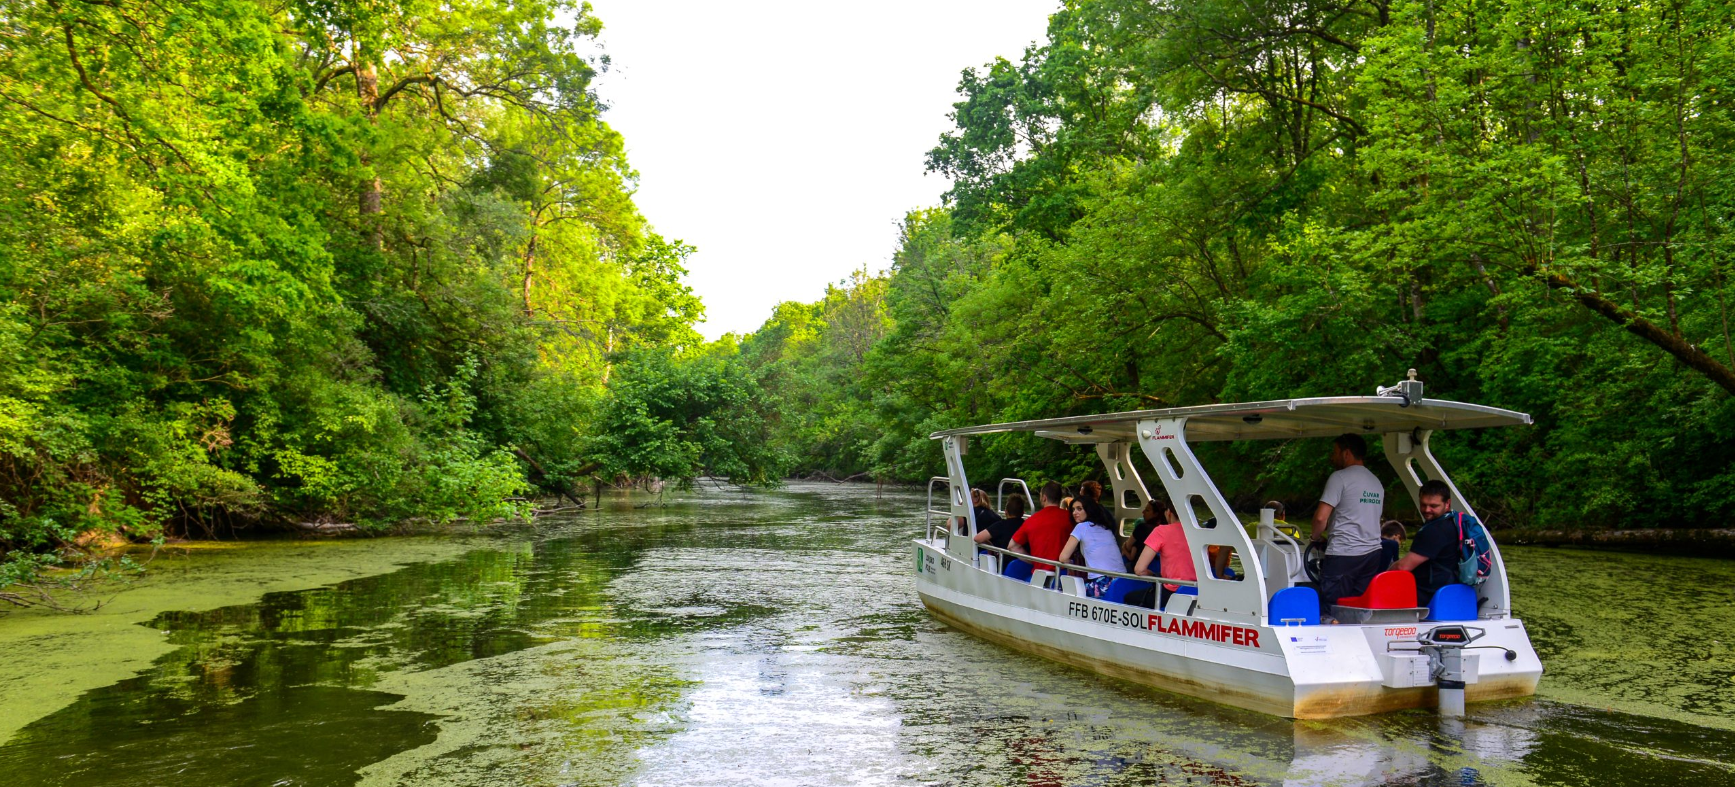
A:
x: 1475, y: 552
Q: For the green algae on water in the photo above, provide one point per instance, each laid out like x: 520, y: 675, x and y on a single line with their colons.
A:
x: 1643, y: 634
x: 55, y: 656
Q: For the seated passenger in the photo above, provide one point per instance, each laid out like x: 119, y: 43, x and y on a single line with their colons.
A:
x: 1434, y: 554
x: 1280, y: 517
x: 1096, y: 542
x: 1092, y: 491
x: 1000, y: 533
x: 1044, y: 534
x: 1392, y: 535
x: 985, y: 515
x: 1167, y: 547
x: 1148, y: 521
x: 1218, y: 557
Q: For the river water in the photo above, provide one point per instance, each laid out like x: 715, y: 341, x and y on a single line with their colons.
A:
x: 775, y: 638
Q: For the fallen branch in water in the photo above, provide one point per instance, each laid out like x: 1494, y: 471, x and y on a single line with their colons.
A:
x: 35, y: 581
x: 556, y: 510
x: 327, y: 528
x: 821, y: 475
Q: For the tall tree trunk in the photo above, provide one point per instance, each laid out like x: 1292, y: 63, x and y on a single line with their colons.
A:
x: 367, y: 86
x: 608, y: 357
x: 529, y: 270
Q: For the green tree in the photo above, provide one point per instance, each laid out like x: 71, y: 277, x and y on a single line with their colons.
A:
x: 267, y: 263
x: 1180, y: 203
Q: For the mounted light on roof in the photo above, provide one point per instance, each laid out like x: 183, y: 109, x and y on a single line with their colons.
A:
x: 1410, y: 389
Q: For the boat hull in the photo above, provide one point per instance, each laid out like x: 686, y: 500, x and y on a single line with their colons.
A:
x: 1307, y: 672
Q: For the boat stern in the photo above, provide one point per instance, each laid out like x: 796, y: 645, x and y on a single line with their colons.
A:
x: 1356, y: 670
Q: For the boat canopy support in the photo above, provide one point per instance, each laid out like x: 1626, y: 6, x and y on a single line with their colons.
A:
x: 1414, y: 462
x: 1190, y: 489
x: 960, y: 545
x: 1124, y: 479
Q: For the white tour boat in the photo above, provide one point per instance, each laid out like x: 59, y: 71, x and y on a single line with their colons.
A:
x: 1252, y: 641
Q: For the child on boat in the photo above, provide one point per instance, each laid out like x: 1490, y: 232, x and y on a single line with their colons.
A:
x: 1392, y: 535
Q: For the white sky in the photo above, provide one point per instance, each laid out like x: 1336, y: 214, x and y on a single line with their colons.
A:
x: 786, y: 139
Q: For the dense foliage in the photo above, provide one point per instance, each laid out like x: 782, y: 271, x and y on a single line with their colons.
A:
x: 1215, y: 200
x: 364, y: 261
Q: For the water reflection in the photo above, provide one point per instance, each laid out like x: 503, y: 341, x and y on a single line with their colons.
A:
x: 775, y: 640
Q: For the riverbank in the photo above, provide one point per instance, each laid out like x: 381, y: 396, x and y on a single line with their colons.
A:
x: 1706, y: 542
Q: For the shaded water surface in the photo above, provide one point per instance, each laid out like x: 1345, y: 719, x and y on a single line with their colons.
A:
x: 776, y: 639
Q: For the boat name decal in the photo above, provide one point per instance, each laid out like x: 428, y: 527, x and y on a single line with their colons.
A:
x: 1401, y: 631
x: 1195, y: 629
x: 1212, y: 632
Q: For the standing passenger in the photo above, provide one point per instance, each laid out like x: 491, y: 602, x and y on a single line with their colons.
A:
x: 1044, y: 534
x: 1090, y: 535
x: 1350, y: 507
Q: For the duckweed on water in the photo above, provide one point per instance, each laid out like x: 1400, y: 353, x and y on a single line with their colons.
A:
x: 1644, y: 634
x: 53, y: 658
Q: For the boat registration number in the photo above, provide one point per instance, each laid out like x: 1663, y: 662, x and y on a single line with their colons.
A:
x: 1222, y: 633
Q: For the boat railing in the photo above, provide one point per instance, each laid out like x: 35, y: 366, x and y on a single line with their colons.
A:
x: 1000, y: 494
x: 1059, y: 567
x: 944, y: 514
x: 1275, y: 531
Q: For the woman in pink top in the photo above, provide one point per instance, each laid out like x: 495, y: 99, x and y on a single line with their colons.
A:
x: 1168, y: 542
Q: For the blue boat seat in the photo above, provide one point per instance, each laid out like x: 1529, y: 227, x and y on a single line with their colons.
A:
x: 1186, y: 590
x: 1453, y: 602
x: 1119, y: 588
x: 1017, y: 569
x: 1297, y: 603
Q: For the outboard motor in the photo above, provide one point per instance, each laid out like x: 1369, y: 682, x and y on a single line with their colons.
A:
x: 1444, y: 646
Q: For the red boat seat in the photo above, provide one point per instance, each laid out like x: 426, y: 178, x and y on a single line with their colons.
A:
x: 1389, y: 590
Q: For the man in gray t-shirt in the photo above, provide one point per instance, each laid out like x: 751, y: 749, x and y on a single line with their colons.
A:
x: 1351, y: 506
